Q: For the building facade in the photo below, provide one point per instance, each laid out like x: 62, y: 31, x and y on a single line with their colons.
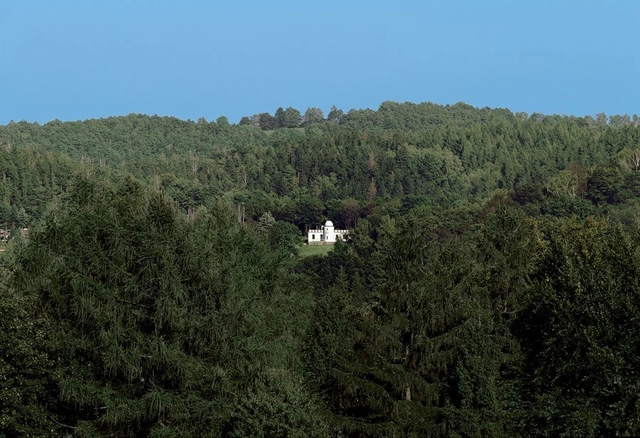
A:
x: 326, y: 235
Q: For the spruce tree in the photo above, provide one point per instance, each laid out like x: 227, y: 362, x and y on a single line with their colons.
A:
x: 163, y: 324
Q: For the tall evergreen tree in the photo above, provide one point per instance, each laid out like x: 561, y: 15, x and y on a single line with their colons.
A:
x: 163, y: 325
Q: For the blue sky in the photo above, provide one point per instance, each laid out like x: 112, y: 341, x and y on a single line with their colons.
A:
x: 74, y: 59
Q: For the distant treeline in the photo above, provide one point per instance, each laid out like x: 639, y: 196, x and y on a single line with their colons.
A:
x: 396, y: 158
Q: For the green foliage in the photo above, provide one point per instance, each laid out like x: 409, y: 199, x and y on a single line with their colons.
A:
x: 449, y: 156
x: 283, y: 237
x: 603, y: 186
x: 25, y: 369
x: 423, y: 352
x: 581, y: 332
x: 313, y: 115
x: 563, y: 206
x: 477, y: 295
x: 160, y: 323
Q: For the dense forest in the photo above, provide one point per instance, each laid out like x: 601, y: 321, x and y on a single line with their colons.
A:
x: 489, y: 287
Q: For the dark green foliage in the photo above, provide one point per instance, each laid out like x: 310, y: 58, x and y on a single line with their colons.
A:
x: 423, y: 353
x: 565, y: 206
x: 449, y: 156
x: 528, y: 194
x: 161, y: 325
x: 631, y: 186
x: 26, y: 371
x: 308, y: 212
x: 581, y: 332
x: 289, y: 118
x: 603, y: 186
x: 283, y: 237
x: 267, y: 121
x: 477, y: 294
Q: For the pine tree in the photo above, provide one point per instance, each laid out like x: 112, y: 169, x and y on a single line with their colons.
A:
x: 162, y: 324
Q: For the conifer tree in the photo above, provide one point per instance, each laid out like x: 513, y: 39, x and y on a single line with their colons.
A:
x: 580, y: 332
x: 421, y: 354
x: 162, y: 324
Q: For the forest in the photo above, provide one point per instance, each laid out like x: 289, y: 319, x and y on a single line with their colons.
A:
x: 489, y: 286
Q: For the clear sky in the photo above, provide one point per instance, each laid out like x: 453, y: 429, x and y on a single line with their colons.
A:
x: 80, y: 59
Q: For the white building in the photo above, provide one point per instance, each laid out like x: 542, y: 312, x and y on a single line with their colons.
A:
x: 327, y: 235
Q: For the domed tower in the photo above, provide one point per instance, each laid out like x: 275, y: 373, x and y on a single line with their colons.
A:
x: 329, y: 232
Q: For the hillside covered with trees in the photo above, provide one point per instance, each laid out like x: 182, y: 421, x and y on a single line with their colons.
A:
x: 489, y: 286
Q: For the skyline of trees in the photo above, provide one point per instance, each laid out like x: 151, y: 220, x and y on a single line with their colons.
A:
x: 418, y: 152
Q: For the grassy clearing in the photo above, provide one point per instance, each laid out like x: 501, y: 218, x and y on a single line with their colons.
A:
x: 310, y: 250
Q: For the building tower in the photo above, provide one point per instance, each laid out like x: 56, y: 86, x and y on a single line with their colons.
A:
x: 329, y: 232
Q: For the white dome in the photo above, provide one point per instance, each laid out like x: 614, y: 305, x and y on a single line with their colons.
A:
x: 328, y: 224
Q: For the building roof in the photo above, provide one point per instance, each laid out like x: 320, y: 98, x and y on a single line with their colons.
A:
x: 328, y: 224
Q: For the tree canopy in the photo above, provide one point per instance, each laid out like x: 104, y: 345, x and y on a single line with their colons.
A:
x: 153, y: 283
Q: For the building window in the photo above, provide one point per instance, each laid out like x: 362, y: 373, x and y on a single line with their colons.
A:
x: 313, y: 237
